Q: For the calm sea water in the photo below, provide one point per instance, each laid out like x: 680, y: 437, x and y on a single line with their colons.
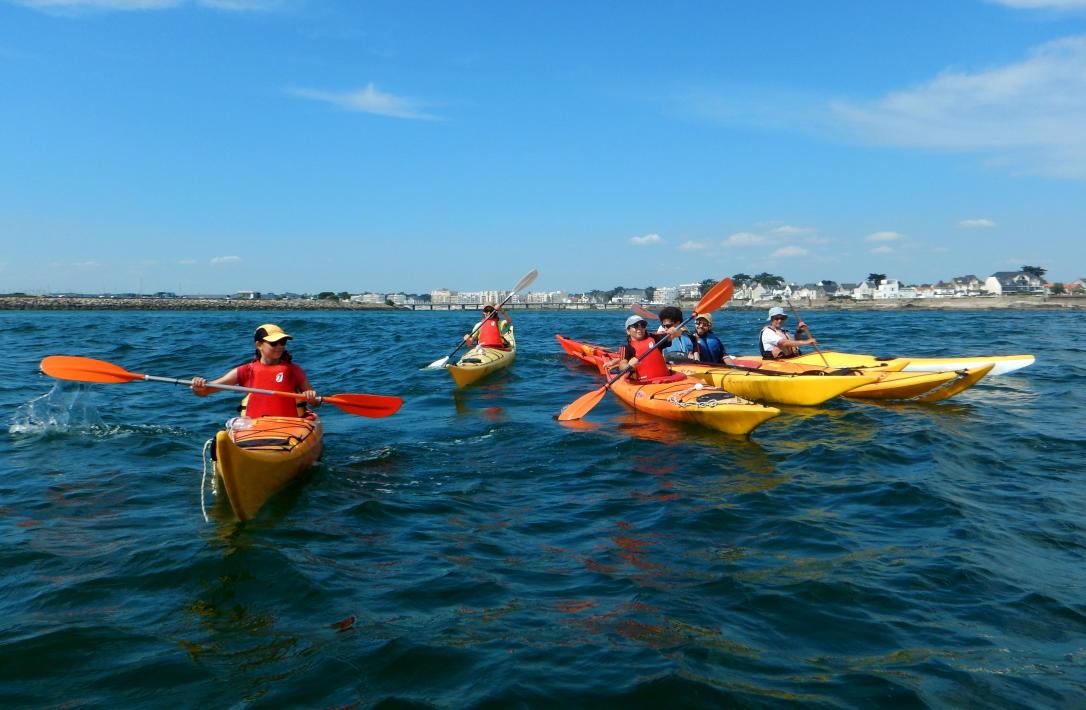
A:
x: 471, y: 551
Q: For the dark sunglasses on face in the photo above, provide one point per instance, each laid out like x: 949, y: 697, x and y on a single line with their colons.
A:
x: 277, y: 343
x: 642, y: 324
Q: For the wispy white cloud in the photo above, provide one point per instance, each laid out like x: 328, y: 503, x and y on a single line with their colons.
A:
x: 219, y: 260
x: 187, y: 262
x: 1029, y: 115
x: 976, y: 223
x: 646, y: 240
x: 787, y: 230
x: 693, y: 246
x: 789, y: 252
x: 741, y: 239
x: 883, y: 237
x: 1025, y: 117
x: 368, y: 100
x: 1043, y: 4
x: 884, y: 249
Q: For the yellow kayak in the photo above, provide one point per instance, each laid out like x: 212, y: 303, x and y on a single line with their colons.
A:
x: 255, y: 458
x: 688, y: 400
x: 920, y: 386
x: 888, y: 385
x: 1001, y: 364
x: 480, y: 362
x: 806, y: 390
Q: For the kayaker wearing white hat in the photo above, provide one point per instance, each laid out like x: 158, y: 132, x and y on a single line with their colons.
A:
x: 775, y: 342
x: 638, y: 352
x: 270, y: 369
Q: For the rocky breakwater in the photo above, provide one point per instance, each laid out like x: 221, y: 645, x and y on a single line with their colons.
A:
x: 105, y: 303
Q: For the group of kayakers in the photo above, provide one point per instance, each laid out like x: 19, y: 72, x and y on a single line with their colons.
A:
x: 273, y: 369
x: 702, y: 345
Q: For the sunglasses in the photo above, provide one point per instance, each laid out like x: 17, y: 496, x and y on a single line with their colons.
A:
x: 642, y: 324
x: 277, y: 343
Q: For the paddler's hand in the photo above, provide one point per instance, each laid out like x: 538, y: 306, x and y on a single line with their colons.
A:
x: 312, y: 398
x: 199, y: 387
x: 632, y: 362
x: 467, y: 338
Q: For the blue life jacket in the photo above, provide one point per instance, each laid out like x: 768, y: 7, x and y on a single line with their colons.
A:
x: 711, y: 349
x: 680, y: 345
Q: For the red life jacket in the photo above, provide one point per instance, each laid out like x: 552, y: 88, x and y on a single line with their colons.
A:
x: 490, y: 336
x: 283, y: 377
x: 652, y: 367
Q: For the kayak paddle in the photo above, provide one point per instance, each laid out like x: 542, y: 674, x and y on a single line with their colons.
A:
x: 718, y: 295
x: 85, y: 369
x: 523, y: 283
x: 800, y: 320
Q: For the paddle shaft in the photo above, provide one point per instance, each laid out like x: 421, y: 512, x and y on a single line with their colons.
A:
x: 85, y: 369
x: 232, y: 388
x: 800, y: 320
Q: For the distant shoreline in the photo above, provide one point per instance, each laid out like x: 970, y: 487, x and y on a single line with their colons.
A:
x: 66, y: 303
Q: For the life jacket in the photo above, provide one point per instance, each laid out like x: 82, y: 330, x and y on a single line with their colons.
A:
x: 681, y: 344
x: 490, y: 334
x: 709, y: 348
x: 283, y: 377
x: 654, y: 365
x: 786, y: 352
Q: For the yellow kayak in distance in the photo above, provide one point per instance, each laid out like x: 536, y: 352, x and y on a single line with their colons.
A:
x: 479, y: 362
x: 256, y: 458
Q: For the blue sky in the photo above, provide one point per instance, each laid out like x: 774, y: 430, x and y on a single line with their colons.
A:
x: 210, y: 146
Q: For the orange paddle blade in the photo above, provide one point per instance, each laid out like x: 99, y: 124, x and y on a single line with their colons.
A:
x: 582, y: 405
x: 718, y: 295
x: 85, y: 369
x: 374, y: 406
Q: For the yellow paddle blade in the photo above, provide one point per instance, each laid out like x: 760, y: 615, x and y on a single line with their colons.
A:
x: 582, y: 405
x: 85, y: 369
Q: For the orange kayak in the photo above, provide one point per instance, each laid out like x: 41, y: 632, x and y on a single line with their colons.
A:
x: 685, y: 399
x: 688, y: 400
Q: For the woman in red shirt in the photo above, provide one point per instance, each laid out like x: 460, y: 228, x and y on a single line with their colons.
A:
x: 270, y: 369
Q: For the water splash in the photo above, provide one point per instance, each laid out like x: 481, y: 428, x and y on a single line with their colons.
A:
x: 66, y: 407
